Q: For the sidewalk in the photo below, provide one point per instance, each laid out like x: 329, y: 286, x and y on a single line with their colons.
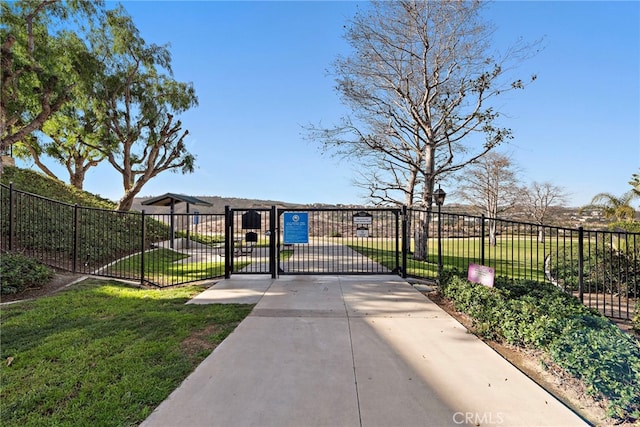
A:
x: 351, y: 351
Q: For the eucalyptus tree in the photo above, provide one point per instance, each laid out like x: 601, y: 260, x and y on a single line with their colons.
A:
x: 40, y: 62
x: 142, y: 137
x: 66, y: 134
x: 420, y: 83
x: 71, y: 133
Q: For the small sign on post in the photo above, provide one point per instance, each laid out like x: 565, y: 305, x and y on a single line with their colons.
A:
x: 481, y: 274
x: 362, y: 218
x: 362, y: 231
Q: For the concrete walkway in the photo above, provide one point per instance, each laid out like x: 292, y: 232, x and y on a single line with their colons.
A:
x: 351, y: 351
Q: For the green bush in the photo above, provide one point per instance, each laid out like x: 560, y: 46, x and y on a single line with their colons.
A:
x: 18, y: 273
x: 45, y: 229
x: 577, y: 338
x: 610, y: 265
x: 628, y: 226
x: 38, y: 183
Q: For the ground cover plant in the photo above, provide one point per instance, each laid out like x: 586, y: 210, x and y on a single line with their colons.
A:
x: 18, y: 273
x: 48, y: 225
x: 103, y: 353
x: 38, y: 183
x: 576, y: 338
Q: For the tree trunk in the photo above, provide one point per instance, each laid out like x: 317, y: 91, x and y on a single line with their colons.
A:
x: 421, y: 237
x: 125, y: 203
x: 492, y: 232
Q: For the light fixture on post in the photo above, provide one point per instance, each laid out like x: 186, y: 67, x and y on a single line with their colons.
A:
x: 439, y: 196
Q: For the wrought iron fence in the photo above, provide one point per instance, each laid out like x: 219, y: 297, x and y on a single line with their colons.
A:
x: 125, y: 245
x: 602, y: 268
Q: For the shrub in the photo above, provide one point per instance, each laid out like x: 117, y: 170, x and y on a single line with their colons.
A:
x: 577, y: 338
x: 18, y: 273
x: 628, y: 226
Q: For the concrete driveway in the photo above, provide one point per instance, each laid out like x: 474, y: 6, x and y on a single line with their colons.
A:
x: 351, y: 351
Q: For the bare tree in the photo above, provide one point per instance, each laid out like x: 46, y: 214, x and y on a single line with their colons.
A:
x: 419, y: 85
x: 539, y: 199
x: 490, y: 186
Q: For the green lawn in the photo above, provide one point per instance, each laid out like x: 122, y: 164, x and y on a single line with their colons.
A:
x: 512, y: 256
x: 102, y: 353
x: 165, y: 267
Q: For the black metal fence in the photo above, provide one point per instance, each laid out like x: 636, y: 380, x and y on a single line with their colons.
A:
x: 602, y: 268
x: 125, y: 245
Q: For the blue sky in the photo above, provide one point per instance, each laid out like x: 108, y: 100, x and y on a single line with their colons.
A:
x: 260, y: 70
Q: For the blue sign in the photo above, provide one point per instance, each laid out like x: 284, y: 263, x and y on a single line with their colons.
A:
x: 196, y: 217
x: 296, y: 227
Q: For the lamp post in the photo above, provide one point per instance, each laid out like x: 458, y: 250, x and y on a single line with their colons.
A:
x: 439, y: 196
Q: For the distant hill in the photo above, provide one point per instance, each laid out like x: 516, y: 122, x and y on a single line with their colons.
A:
x: 42, y: 185
x: 217, y: 205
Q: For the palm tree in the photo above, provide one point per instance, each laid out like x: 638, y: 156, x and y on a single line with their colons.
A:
x: 635, y: 183
x: 613, y: 207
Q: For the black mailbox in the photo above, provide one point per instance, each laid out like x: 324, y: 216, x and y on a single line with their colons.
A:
x: 251, y: 220
x: 251, y: 237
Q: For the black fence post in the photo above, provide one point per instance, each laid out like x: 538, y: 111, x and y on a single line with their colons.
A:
x: 396, y: 268
x: 228, y: 250
x: 272, y: 243
x: 440, y: 266
x: 404, y: 242
x: 581, y: 263
x: 144, y: 238
x: 11, y: 216
x: 75, y: 238
x: 482, y: 231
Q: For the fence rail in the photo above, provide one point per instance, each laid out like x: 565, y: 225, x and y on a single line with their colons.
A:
x: 124, y: 245
x: 602, y: 268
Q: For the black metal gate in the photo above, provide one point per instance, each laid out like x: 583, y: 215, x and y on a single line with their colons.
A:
x: 339, y: 241
x: 250, y: 245
x: 313, y: 241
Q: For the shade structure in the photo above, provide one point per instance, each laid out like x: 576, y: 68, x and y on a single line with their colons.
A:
x: 171, y: 199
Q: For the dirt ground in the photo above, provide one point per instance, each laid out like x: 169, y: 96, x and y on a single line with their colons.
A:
x: 569, y: 390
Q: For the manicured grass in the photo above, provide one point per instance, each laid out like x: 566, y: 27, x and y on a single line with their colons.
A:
x: 286, y: 254
x: 103, y: 354
x: 163, y: 266
x: 511, y: 256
